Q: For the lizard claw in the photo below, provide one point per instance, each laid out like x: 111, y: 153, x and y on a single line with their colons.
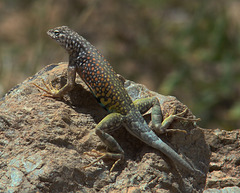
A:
x: 175, y: 130
x: 49, y: 90
x: 178, y: 116
x: 100, y: 155
x: 95, y: 154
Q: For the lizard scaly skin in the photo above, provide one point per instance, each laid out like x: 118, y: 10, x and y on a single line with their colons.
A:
x: 108, y: 88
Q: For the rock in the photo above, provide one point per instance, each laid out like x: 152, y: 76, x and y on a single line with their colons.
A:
x: 224, y: 168
x: 233, y: 189
x: 42, y: 142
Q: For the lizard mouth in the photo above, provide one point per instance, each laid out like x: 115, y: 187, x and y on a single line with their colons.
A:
x: 50, y: 33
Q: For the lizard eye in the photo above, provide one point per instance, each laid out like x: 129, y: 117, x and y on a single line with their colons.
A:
x: 57, y: 33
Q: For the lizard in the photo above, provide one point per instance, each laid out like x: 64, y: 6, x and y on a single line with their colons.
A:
x: 105, y: 84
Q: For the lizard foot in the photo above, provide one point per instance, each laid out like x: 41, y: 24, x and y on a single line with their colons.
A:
x: 178, y: 116
x: 164, y: 127
x: 100, y: 155
x: 169, y: 130
x: 49, y: 90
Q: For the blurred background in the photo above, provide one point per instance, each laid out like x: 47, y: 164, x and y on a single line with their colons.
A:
x: 188, y: 49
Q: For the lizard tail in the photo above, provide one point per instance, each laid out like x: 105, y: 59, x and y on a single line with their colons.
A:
x: 169, y: 152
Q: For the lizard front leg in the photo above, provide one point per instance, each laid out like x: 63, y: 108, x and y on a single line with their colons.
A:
x: 50, y: 91
x: 158, y: 124
x: 111, y: 121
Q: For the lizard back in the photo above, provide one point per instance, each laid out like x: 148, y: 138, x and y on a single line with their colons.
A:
x: 94, y: 69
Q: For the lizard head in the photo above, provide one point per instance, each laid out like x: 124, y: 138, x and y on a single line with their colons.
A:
x: 66, y: 37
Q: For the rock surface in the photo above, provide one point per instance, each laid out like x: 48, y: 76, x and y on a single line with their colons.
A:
x: 42, y: 141
x: 224, y: 170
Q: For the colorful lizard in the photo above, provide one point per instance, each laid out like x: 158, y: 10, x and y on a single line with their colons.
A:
x: 108, y: 88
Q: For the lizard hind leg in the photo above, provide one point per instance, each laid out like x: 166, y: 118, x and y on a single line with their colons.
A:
x: 144, y: 104
x: 110, y: 121
x: 160, y: 125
